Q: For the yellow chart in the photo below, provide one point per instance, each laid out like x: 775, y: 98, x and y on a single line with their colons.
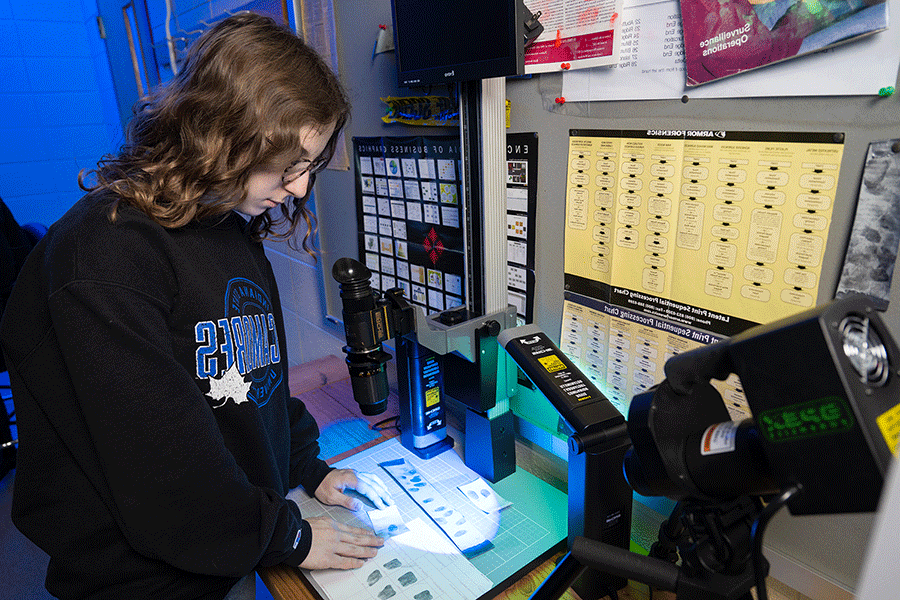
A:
x: 709, y: 225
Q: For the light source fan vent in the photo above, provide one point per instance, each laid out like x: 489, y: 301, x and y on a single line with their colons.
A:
x: 865, y: 350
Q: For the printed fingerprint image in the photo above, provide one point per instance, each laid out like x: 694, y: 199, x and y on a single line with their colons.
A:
x: 407, y: 578
x: 875, y: 237
x: 392, y: 564
x: 387, y: 592
x: 424, y: 595
x: 459, y: 533
x: 473, y: 494
x: 373, y: 577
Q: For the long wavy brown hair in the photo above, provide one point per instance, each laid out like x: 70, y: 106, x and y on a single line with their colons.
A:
x: 246, y: 90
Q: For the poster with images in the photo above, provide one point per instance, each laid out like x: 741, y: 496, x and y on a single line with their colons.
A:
x: 651, y: 65
x: 409, y: 217
x: 718, y: 230
x: 727, y: 37
x: 521, y: 207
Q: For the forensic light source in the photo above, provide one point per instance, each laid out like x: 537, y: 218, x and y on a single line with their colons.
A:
x: 823, y: 387
x: 823, y: 395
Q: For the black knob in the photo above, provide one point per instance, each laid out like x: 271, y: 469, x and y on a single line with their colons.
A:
x: 491, y: 328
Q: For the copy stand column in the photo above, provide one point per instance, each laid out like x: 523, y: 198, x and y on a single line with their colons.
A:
x: 599, y: 505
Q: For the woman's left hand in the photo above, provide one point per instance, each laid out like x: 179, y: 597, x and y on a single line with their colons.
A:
x: 331, y: 490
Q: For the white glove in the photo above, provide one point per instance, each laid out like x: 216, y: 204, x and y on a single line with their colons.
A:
x: 374, y: 489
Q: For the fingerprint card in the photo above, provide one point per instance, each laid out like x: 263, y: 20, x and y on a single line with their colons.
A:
x: 479, y: 493
x: 387, y: 522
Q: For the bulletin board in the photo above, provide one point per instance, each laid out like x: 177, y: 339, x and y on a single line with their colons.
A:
x: 861, y: 120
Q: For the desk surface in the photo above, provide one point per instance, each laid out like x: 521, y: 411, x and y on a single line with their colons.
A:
x: 325, y: 389
x: 521, y: 534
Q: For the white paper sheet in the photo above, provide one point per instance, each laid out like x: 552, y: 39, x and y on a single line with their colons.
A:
x: 420, y: 564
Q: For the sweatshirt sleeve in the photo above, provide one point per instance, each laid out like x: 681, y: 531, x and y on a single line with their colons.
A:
x: 176, y: 492
x: 307, y: 469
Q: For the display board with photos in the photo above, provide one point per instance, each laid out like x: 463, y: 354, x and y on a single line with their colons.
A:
x: 409, y: 214
x: 521, y: 207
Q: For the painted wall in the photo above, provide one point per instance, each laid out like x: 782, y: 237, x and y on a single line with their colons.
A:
x: 59, y: 114
x: 57, y: 111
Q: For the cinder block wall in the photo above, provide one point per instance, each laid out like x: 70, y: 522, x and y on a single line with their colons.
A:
x: 57, y: 107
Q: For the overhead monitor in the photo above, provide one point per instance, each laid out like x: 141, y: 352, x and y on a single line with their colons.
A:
x: 446, y: 41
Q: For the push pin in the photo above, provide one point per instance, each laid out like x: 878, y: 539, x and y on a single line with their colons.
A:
x: 565, y: 66
x: 382, y: 27
x: 886, y: 91
x: 560, y: 100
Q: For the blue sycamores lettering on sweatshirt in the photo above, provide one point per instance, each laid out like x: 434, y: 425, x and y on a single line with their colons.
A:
x: 244, y: 342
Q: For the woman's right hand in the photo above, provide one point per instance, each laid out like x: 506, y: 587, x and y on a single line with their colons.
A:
x: 339, y: 546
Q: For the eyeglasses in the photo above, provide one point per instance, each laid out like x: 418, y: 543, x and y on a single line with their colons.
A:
x: 302, y: 167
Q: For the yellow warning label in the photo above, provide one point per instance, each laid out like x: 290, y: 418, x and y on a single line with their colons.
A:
x: 552, y: 364
x: 432, y: 397
x: 889, y: 423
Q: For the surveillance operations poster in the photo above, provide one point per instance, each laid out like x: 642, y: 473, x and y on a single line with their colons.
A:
x: 726, y: 38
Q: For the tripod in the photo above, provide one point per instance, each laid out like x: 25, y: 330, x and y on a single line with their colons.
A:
x: 713, y: 540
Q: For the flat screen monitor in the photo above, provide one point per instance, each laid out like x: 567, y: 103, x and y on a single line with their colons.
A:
x: 443, y: 41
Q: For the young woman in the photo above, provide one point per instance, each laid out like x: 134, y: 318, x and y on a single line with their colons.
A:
x: 146, y: 346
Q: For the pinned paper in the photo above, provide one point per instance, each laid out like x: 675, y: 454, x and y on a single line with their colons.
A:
x: 384, y: 42
x: 875, y: 237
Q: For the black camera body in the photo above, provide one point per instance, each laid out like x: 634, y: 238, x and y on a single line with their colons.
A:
x: 369, y: 320
x: 825, y: 404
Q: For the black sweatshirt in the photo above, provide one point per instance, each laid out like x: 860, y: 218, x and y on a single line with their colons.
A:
x: 158, y: 438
